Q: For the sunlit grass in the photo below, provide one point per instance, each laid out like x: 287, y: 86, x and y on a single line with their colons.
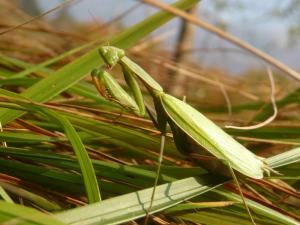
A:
x: 67, y: 145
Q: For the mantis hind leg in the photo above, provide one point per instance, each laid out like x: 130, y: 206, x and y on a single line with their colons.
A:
x: 241, y: 193
x: 160, y: 159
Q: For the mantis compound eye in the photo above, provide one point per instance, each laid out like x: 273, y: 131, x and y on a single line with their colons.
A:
x: 111, y: 55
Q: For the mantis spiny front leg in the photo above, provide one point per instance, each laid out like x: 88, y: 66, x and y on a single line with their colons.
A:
x: 110, y: 89
x: 131, y: 70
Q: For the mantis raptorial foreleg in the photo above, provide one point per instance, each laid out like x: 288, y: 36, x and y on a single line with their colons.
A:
x: 135, y: 89
x: 185, y: 121
x: 110, y: 89
x: 130, y: 71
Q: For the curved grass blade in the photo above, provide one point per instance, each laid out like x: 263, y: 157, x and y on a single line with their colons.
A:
x: 135, y: 205
x: 267, y: 110
x: 84, y: 161
x: 87, y: 170
x: 86, y: 166
x: 211, y: 137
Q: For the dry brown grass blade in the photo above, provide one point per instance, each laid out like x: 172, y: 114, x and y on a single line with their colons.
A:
x: 265, y: 203
x: 36, y: 129
x: 195, y: 74
x: 74, y: 111
x: 225, y: 95
x: 267, y: 141
x: 46, y: 30
x: 277, y: 187
x: 273, y: 101
x: 61, y: 5
x: 100, y: 111
x: 43, y: 131
x: 226, y: 36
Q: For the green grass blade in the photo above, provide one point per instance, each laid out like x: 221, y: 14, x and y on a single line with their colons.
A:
x: 27, y: 137
x: 70, y: 74
x: 5, y: 196
x: 134, y: 205
x: 21, y: 215
x: 198, y: 205
x: 260, y: 209
x: 34, y: 198
x: 135, y: 175
x: 33, y: 68
x: 13, y: 61
x: 118, y: 133
x: 86, y: 166
x: 56, y: 180
x: 214, y: 217
x: 284, y: 158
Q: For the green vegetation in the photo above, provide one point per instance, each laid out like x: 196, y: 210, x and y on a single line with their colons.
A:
x: 70, y: 155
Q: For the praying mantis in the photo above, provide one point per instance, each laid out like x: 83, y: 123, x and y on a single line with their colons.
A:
x: 186, y: 122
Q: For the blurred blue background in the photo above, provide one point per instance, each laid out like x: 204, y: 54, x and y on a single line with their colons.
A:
x: 265, y: 24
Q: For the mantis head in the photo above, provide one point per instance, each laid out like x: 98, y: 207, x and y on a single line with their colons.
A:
x: 111, y: 55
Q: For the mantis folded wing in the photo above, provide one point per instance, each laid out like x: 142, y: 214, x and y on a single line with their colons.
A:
x: 212, y: 138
